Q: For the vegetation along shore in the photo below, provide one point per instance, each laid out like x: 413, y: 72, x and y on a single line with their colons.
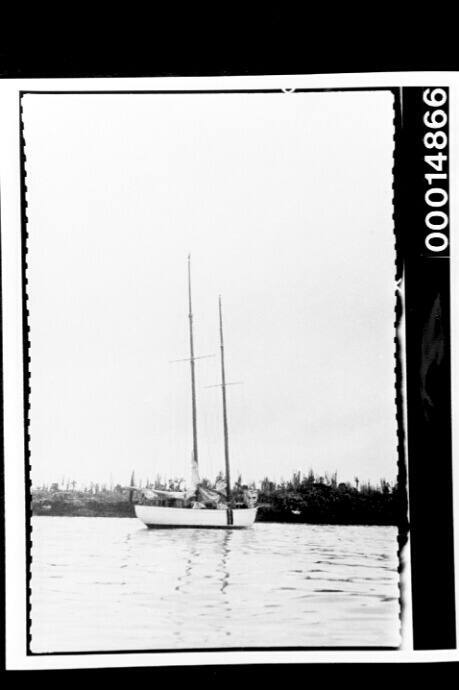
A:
x: 304, y: 498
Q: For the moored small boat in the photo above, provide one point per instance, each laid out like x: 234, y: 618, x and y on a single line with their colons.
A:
x: 160, y: 516
x: 201, y: 506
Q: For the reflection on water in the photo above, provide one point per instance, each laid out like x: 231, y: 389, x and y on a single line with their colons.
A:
x: 111, y: 584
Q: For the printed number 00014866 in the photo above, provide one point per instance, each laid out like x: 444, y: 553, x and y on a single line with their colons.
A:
x: 436, y: 197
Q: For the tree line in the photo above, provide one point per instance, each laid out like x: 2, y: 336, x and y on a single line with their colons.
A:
x: 322, y: 499
x: 303, y: 497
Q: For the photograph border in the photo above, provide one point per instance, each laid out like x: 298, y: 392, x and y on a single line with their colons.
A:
x: 399, y: 310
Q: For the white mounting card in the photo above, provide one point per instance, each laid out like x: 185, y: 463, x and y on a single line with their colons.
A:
x: 164, y: 239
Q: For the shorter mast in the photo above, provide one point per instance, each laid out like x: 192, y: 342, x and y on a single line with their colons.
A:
x: 225, y: 415
x: 193, y: 377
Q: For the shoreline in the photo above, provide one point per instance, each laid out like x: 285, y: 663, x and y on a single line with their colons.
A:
x: 264, y: 516
x: 303, y: 500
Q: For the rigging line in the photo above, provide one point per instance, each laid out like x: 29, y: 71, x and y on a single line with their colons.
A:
x: 228, y: 383
x: 189, y: 359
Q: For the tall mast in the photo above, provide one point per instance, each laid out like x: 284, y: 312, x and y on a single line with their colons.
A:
x: 193, y: 381
x: 225, y: 416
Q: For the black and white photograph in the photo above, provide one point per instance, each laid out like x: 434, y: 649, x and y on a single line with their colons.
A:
x: 228, y: 396
x: 211, y: 294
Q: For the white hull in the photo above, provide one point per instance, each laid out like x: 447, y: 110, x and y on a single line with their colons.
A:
x: 157, y: 516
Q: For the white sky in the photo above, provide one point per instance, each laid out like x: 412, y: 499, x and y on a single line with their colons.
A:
x: 285, y: 203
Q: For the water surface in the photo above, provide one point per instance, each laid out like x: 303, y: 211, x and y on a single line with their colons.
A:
x: 101, y: 584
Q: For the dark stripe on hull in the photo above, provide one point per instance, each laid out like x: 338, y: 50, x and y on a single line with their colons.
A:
x: 197, y: 526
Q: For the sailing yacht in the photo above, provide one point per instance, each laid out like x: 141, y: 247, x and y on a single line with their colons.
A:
x: 200, y: 506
